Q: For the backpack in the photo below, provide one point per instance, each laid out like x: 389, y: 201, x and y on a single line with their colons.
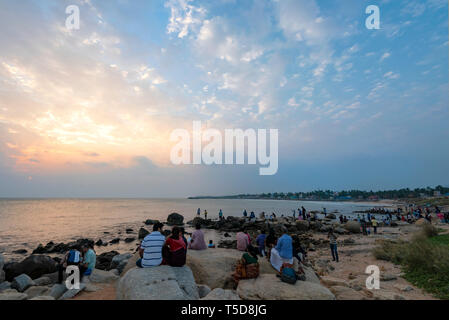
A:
x: 73, y: 257
x: 288, y: 275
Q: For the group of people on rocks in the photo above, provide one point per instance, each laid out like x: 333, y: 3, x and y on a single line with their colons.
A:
x: 157, y: 249
x: 83, y: 257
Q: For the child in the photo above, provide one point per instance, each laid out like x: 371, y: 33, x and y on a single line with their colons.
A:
x: 211, y: 244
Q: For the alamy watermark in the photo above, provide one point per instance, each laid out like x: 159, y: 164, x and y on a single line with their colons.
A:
x: 373, y: 281
x: 373, y: 20
x: 190, y: 150
x: 72, y: 22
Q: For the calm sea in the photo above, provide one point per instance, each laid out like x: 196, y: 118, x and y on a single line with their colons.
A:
x: 24, y: 223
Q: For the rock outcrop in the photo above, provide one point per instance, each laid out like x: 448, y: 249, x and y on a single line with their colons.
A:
x: 221, y: 294
x: 175, y: 219
x: 270, y: 287
x: 34, y: 266
x: 158, y: 283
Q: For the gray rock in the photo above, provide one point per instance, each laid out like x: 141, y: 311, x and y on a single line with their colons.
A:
x: 57, y: 291
x: 69, y: 294
x: 43, y: 281
x: 158, y: 283
x: 221, y: 294
x: 13, y: 296
x: 22, y: 282
x: 43, y: 298
x: 2, y: 276
x: 119, y: 261
x: 203, y: 290
x: 101, y: 276
x: 32, y: 292
x: 5, y: 285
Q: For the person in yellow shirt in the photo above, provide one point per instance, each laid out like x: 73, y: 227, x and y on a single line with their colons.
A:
x: 375, y: 224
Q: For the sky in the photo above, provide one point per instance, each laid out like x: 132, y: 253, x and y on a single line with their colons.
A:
x: 89, y: 112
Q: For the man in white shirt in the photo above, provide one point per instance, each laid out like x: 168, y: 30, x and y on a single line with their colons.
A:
x: 151, y: 248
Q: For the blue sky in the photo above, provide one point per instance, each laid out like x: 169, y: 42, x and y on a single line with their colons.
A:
x: 88, y: 112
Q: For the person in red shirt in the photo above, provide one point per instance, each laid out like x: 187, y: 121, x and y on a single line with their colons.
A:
x: 175, y: 249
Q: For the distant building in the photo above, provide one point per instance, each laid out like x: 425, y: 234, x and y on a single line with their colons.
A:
x: 373, y: 198
x: 436, y: 193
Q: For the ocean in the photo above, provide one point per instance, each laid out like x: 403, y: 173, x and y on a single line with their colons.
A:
x: 24, y: 223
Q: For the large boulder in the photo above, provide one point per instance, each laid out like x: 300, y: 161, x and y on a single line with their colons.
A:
x: 221, y: 294
x: 5, y: 285
x: 270, y: 287
x: 22, y: 282
x: 213, y: 267
x: 158, y: 283
x: 34, y: 266
x: 352, y: 226
x: 175, y: 219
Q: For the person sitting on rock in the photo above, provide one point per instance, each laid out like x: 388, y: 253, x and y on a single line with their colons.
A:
x: 252, y: 215
x: 242, y: 240
x: 175, y: 249
x: 89, y: 260
x: 211, y: 244
x: 150, y: 250
x: 71, y: 258
x: 248, y: 266
x: 283, y: 252
x: 197, y: 242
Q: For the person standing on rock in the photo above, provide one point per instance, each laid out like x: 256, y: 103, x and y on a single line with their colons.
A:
x: 333, y: 245
x: 198, y: 212
x: 283, y: 252
x: 197, y: 242
x: 375, y: 224
x: 303, y: 213
x: 245, y: 214
x: 205, y: 214
x: 220, y: 215
x: 151, y: 248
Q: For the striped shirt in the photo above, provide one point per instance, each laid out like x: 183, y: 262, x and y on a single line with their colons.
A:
x: 152, y: 245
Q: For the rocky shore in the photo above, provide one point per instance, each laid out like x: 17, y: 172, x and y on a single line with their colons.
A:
x: 207, y: 274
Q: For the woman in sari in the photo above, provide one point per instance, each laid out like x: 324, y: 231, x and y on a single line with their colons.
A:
x: 248, y: 266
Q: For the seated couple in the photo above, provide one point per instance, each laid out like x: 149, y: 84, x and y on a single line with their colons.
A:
x: 84, y: 260
x: 156, y: 250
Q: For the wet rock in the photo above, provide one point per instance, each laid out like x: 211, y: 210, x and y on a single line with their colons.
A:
x: 131, y: 239
x: 175, y: 219
x: 143, y: 233
x: 20, y: 251
x: 104, y: 260
x: 114, y: 241
x: 151, y: 222
x: 34, y: 266
x: 129, y: 230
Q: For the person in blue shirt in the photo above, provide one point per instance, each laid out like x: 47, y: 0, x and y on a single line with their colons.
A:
x: 260, y: 240
x: 283, y: 251
x: 245, y: 214
x: 252, y: 215
x: 220, y: 214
